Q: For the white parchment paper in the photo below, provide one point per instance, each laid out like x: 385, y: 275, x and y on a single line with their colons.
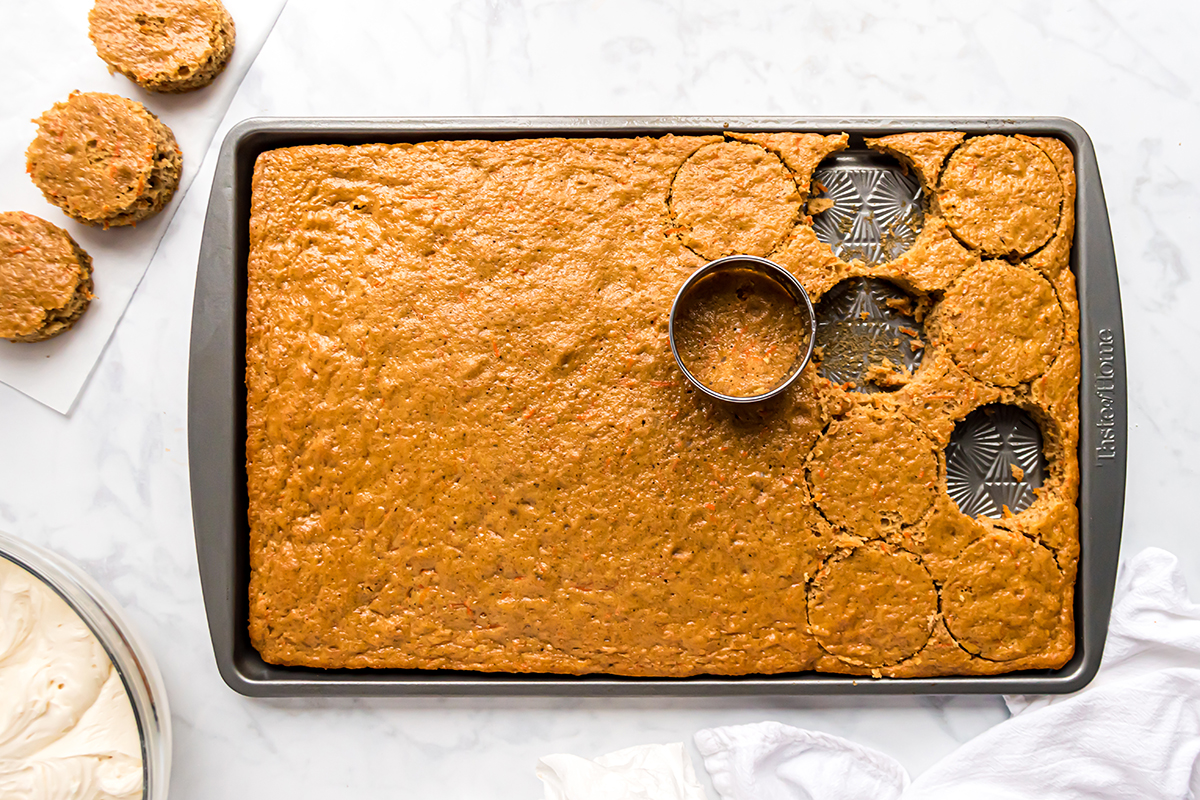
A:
x: 45, y: 54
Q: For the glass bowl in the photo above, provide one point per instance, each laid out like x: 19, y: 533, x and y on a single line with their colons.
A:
x: 128, y: 652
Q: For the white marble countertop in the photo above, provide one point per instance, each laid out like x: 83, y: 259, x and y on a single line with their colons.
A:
x: 108, y: 484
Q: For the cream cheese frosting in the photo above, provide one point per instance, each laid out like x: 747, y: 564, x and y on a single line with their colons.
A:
x: 67, y: 730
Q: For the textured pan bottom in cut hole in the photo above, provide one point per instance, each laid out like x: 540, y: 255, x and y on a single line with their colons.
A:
x: 994, y: 460
x: 877, y: 207
x: 861, y: 329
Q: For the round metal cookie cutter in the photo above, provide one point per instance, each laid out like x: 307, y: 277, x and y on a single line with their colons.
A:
x: 779, y: 276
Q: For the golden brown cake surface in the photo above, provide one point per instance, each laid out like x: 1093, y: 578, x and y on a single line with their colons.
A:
x: 104, y: 160
x: 925, y: 152
x: 1001, y: 195
x: 469, y: 446
x: 1001, y: 323
x: 733, y: 197
x: 1004, y: 597
x: 45, y: 278
x: 873, y: 470
x: 873, y: 606
x: 163, y: 45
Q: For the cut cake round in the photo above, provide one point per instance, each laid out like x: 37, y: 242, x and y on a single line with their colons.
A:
x: 732, y: 197
x: 163, y: 45
x: 104, y: 160
x: 1001, y: 323
x: 1001, y: 195
x: 45, y: 278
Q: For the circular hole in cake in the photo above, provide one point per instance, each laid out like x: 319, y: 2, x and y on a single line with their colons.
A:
x: 866, y: 206
x: 868, y: 336
x: 994, y: 461
x: 733, y: 198
x: 873, y: 606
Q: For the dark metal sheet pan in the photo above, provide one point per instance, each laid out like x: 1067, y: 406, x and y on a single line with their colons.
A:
x: 217, y: 418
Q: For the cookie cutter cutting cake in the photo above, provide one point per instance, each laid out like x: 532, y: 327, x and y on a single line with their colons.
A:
x: 468, y: 446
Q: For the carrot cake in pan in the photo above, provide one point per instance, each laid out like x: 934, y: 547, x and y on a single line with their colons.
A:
x: 469, y: 446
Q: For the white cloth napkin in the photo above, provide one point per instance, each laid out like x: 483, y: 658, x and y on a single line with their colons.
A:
x: 45, y: 54
x: 1134, y: 732
x: 773, y: 761
x: 645, y: 772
